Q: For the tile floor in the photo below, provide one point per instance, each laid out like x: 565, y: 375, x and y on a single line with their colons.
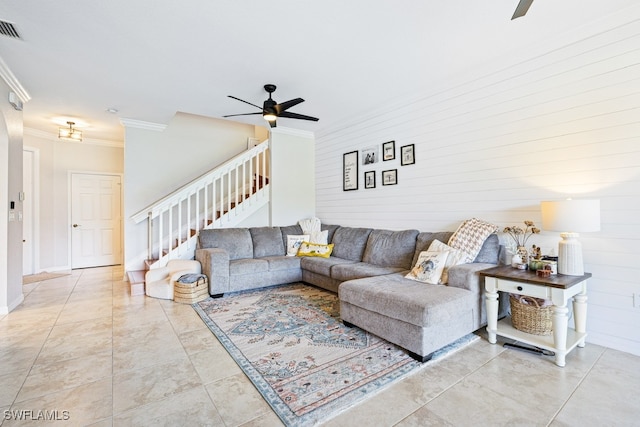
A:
x: 82, y: 346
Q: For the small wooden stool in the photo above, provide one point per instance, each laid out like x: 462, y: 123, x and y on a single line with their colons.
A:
x: 191, y: 288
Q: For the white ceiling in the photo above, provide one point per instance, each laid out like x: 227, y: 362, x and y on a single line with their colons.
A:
x: 150, y: 59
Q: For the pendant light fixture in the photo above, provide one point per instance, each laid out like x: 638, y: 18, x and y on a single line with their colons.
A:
x: 70, y: 133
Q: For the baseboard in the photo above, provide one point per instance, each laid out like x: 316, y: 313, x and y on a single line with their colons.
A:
x: 12, y: 306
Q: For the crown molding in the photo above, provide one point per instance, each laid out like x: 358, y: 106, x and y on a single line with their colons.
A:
x: 53, y: 137
x: 140, y: 124
x: 293, y: 132
x: 13, y: 83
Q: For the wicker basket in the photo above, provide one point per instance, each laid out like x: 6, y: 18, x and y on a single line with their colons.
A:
x: 530, y: 318
x: 189, y: 293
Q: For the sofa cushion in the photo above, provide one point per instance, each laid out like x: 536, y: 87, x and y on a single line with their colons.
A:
x: 350, y: 242
x: 359, y: 270
x: 420, y: 304
x: 424, y: 240
x: 236, y: 241
x: 248, y: 266
x: 277, y: 263
x: 322, y: 265
x: 388, y: 248
x: 331, y: 229
x: 490, y: 251
x: 267, y: 241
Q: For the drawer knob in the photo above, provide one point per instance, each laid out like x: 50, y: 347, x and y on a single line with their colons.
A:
x: 519, y: 288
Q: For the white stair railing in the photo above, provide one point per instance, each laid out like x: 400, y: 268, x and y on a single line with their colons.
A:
x: 222, y: 197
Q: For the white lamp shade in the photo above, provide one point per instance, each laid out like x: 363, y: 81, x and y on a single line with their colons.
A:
x: 571, y: 215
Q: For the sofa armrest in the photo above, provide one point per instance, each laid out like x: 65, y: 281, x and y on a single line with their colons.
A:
x: 215, y: 265
x: 466, y: 276
x: 156, y: 274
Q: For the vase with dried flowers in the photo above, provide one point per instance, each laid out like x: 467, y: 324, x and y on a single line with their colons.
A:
x: 520, y: 237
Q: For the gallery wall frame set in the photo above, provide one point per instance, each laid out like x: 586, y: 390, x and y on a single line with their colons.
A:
x: 351, y: 162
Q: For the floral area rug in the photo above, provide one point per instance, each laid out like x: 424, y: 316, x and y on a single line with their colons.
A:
x: 307, y: 365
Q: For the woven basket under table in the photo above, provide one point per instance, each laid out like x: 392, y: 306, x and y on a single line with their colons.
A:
x: 530, y: 318
x: 189, y: 293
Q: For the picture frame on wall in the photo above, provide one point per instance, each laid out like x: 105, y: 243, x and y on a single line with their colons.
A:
x: 370, y: 155
x: 350, y: 171
x: 389, y: 151
x: 407, y: 155
x: 390, y: 177
x: 370, y: 179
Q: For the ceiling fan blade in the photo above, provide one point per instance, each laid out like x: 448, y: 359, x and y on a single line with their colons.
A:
x: 246, y: 102
x: 521, y: 9
x: 289, y: 115
x: 244, y: 114
x: 283, y: 106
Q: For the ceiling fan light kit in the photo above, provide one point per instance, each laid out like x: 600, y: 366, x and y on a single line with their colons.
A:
x: 271, y: 110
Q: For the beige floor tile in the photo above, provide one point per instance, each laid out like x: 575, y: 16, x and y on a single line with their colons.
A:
x: 608, y: 395
x: 424, y: 418
x: 140, y: 387
x: 214, y: 365
x: 237, y: 400
x: 199, y: 340
x: 46, y: 377
x: 83, y: 405
x: 79, y: 339
x: 11, y: 384
x: 190, y: 408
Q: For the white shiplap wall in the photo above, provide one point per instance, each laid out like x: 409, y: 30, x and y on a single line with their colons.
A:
x: 562, y: 121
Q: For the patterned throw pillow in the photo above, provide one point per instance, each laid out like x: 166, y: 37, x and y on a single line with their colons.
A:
x: 314, y: 249
x: 456, y: 256
x: 470, y: 237
x: 429, y: 267
x: 293, y: 243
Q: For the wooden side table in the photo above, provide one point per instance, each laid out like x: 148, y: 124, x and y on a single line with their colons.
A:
x: 557, y: 288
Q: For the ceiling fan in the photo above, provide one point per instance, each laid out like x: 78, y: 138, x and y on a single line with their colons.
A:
x: 271, y: 110
x: 521, y: 9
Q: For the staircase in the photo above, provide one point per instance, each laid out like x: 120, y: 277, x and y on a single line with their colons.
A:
x: 223, y: 197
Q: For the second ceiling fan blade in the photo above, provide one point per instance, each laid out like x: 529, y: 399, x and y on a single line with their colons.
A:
x: 244, y: 114
x: 289, y: 115
x: 283, y: 106
x: 521, y: 9
x: 246, y: 102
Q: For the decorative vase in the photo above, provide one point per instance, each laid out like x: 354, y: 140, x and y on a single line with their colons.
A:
x: 524, y: 254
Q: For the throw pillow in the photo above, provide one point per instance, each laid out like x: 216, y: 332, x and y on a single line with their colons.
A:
x: 293, y: 243
x: 429, y: 267
x: 320, y: 237
x: 470, y: 236
x: 455, y: 257
x: 314, y: 249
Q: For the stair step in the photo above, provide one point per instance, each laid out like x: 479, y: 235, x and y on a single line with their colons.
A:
x: 136, y: 282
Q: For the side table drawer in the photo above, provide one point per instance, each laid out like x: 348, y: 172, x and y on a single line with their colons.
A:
x: 523, y: 289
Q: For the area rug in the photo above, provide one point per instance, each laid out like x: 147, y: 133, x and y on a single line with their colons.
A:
x: 307, y: 365
x: 33, y: 278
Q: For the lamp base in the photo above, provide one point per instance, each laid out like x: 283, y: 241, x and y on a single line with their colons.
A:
x: 570, y: 255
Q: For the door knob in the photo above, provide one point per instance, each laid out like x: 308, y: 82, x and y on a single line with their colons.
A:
x: 75, y: 225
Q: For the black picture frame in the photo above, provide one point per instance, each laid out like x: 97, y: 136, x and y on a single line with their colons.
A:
x: 407, y: 155
x: 390, y: 177
x: 370, y: 179
x: 350, y: 171
x: 388, y: 151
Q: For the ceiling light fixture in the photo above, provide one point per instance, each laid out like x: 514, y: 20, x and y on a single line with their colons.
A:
x: 70, y: 133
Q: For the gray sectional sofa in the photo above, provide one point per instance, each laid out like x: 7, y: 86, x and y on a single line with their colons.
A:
x: 366, y: 269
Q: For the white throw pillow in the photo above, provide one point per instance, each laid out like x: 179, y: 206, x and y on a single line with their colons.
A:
x: 455, y: 257
x: 429, y: 267
x: 320, y: 237
x: 294, y: 242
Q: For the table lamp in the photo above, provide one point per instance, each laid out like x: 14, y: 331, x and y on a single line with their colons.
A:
x: 570, y: 217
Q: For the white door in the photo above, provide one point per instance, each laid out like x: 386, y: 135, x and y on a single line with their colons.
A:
x: 28, y: 214
x: 96, y: 225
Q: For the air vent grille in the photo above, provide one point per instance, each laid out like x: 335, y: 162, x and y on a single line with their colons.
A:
x: 9, y: 30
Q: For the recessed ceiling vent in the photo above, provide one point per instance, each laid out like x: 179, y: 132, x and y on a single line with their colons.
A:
x: 9, y: 30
